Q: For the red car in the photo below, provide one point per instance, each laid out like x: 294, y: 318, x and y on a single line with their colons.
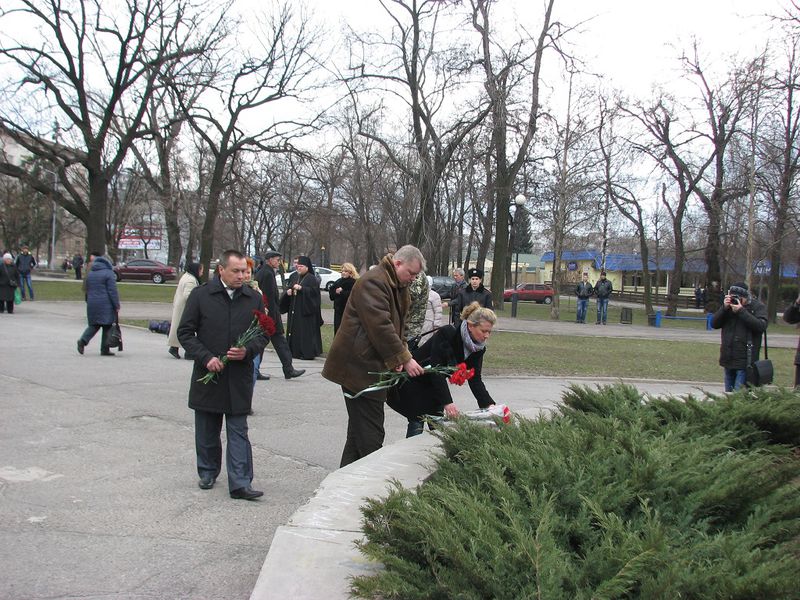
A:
x: 538, y: 292
x: 142, y: 269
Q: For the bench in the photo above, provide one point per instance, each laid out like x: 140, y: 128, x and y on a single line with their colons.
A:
x: 656, y: 320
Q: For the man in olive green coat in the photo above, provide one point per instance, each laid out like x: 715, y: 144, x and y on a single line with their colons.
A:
x: 371, y: 339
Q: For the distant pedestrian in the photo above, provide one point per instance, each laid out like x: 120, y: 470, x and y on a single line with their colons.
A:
x: 303, y: 303
x: 188, y: 281
x: 77, y: 264
x: 216, y: 314
x: 698, y: 297
x: 433, y: 314
x: 602, y: 290
x: 25, y: 263
x: 8, y: 283
x: 340, y: 292
x: 102, y: 304
x: 792, y: 315
x: 473, y: 292
x: 743, y: 320
x: 583, y: 291
x: 453, y: 292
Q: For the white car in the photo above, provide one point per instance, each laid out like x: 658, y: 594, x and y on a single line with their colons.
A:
x: 326, y: 276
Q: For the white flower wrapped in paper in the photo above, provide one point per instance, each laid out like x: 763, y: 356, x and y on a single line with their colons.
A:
x: 488, y: 415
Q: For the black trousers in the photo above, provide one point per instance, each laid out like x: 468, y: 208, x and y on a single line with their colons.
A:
x: 90, y: 332
x: 8, y: 305
x: 208, y: 445
x: 283, y: 351
x: 365, y: 432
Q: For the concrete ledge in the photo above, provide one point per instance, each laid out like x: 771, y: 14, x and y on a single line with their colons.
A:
x: 314, y: 556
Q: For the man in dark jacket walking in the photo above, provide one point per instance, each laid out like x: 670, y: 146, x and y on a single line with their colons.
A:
x: 583, y: 291
x: 602, y: 289
x: 216, y: 314
x: 743, y: 320
x: 792, y: 315
x: 269, y: 287
x: 25, y: 264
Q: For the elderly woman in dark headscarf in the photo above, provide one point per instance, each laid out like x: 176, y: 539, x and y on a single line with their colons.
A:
x: 189, y: 281
x: 302, y: 301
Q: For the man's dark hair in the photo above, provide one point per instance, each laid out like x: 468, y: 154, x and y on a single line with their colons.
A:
x: 226, y: 256
x: 95, y: 253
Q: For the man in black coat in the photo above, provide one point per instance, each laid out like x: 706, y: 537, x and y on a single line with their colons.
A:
x: 216, y: 314
x: 269, y: 287
x: 743, y: 321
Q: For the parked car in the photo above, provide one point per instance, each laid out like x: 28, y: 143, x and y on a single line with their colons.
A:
x: 327, y: 277
x: 143, y: 269
x: 442, y: 284
x: 537, y: 292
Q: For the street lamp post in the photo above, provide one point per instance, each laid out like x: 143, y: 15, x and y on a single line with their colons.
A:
x: 519, y: 202
x: 322, y: 251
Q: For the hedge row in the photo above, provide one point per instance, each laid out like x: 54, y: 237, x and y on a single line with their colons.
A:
x: 617, y: 496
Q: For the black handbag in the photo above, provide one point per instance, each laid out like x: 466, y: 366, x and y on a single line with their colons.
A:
x: 759, y: 372
x: 114, y: 339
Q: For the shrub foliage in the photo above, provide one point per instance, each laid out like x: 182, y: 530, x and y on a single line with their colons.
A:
x: 616, y: 496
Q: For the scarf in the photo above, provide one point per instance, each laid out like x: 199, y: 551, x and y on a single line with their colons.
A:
x: 470, y: 345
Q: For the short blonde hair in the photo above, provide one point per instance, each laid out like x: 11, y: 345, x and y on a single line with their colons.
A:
x: 350, y: 267
x: 476, y: 314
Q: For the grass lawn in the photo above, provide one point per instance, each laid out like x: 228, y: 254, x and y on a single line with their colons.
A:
x: 129, y: 292
x: 541, y: 312
x: 568, y: 356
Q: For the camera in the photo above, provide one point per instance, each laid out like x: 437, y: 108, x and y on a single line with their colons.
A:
x: 735, y: 300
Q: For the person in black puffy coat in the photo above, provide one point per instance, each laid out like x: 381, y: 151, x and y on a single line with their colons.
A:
x: 102, y: 303
x: 792, y: 315
x: 743, y: 321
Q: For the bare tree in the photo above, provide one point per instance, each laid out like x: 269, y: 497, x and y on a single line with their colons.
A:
x: 517, y: 64
x: 86, y: 65
x: 279, y: 77
x: 411, y: 67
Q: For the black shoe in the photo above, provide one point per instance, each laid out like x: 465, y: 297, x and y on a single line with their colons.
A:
x: 107, y: 353
x: 81, y: 346
x: 262, y: 377
x: 293, y: 373
x: 174, y: 351
x: 246, y: 493
x: 206, y: 483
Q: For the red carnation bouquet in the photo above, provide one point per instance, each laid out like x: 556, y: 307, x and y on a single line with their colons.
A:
x: 262, y: 324
x: 457, y: 375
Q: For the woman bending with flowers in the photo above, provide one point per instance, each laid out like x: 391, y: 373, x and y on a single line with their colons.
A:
x: 450, y: 345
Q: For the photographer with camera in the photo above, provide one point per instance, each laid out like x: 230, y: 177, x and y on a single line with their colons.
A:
x: 743, y: 321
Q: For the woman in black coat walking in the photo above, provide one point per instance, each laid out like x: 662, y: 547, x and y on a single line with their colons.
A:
x: 429, y: 394
x: 340, y: 292
x: 8, y: 283
x: 303, y: 301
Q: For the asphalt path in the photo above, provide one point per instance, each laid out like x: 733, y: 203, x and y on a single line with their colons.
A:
x: 98, y: 490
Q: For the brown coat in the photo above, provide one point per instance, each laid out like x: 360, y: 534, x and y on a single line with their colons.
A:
x: 371, y: 335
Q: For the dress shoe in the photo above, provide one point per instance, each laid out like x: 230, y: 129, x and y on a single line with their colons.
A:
x: 174, y: 351
x: 81, y: 346
x: 262, y: 377
x: 294, y: 373
x: 107, y: 353
x: 206, y: 483
x: 246, y: 493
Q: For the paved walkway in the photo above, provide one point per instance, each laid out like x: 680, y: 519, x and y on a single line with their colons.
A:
x: 98, y: 495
